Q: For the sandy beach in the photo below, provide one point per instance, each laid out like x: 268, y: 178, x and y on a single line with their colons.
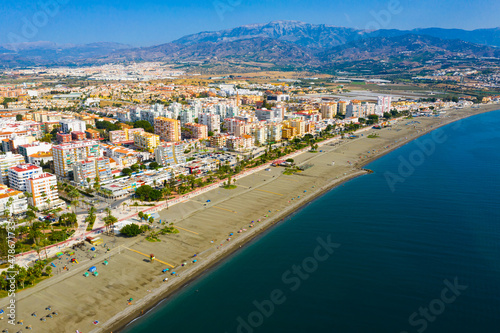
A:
x: 260, y: 200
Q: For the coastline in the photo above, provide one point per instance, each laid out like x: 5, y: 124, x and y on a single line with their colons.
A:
x: 78, y: 299
x: 122, y: 320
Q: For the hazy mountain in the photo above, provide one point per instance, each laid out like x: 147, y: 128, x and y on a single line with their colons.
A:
x: 280, y: 42
x: 303, y: 34
x: 489, y: 37
x: 256, y: 49
x: 48, y: 52
x: 408, y: 46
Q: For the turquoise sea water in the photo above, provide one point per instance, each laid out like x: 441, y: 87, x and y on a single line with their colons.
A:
x: 422, y: 255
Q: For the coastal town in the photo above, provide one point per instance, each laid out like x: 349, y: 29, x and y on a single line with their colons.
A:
x: 89, y: 171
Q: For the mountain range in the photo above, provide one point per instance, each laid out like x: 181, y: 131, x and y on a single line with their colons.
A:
x: 281, y: 43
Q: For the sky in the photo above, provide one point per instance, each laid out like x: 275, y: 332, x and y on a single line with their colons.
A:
x: 152, y: 22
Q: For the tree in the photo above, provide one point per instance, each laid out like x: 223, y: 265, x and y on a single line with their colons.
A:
x: 145, y: 125
x: 19, y: 117
x: 131, y: 230
x: 126, y: 171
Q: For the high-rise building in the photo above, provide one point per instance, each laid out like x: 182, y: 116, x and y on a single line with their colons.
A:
x: 168, y: 129
x: 43, y: 190
x: 68, y: 153
x: 195, y: 131
x: 383, y: 104
x: 86, y: 171
x: 72, y: 125
x: 342, y: 108
x: 6, y: 161
x: 146, y: 140
x: 170, y: 154
x: 19, y: 174
x: 118, y: 136
x: 275, y: 114
x: 328, y: 110
x: 212, y: 121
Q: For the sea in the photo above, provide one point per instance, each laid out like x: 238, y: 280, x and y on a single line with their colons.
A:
x: 412, y: 247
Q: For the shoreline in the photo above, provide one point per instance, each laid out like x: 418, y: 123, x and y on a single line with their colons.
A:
x: 124, y: 319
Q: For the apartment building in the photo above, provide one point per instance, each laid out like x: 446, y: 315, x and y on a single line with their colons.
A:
x: 86, y: 171
x: 275, y: 114
x: 33, y: 148
x: 328, y: 110
x: 12, y: 201
x: 43, y: 190
x: 212, y: 121
x: 72, y: 125
x: 63, y: 137
x: 342, y: 108
x: 77, y: 136
x: 92, y: 134
x: 118, y: 136
x: 168, y: 129
x: 218, y: 140
x: 195, y: 131
x: 6, y: 161
x: 19, y: 174
x: 68, y: 153
x: 40, y: 157
x: 146, y: 140
x: 170, y: 154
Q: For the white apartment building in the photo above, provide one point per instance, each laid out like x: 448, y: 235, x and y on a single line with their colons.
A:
x: 72, y: 125
x: 212, y: 121
x: 12, y: 201
x: 85, y: 172
x: 6, y: 161
x: 19, y: 174
x: 33, y: 148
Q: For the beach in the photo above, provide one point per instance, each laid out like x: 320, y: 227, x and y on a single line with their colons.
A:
x: 205, y: 227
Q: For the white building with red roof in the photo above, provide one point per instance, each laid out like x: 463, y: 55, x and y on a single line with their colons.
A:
x: 19, y: 174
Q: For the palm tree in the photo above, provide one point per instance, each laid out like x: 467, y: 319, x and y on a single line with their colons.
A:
x: 38, y: 250
x: 75, y: 204
x: 35, y: 234
x: 28, y: 195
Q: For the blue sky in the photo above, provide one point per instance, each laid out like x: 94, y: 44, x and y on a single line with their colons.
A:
x: 150, y: 22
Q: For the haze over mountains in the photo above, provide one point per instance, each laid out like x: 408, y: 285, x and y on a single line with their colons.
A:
x: 283, y: 43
